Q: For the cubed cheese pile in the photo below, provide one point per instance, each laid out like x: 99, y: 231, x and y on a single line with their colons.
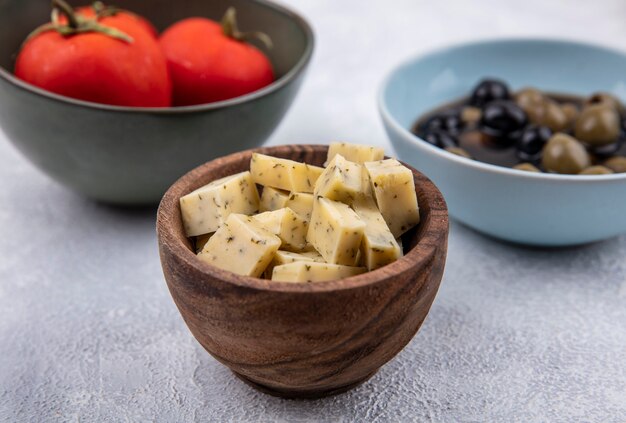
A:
x: 309, y: 223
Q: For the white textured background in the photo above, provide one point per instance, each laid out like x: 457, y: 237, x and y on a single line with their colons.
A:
x: 88, y: 331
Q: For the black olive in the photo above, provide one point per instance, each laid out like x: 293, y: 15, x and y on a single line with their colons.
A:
x: 489, y: 90
x: 449, y: 121
x: 440, y: 139
x: 503, y: 119
x: 606, y: 151
x: 515, y: 136
x: 531, y: 142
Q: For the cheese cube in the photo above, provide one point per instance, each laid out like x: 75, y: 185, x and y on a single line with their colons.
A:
x: 201, y: 241
x: 301, y: 203
x: 401, y: 244
x: 284, y: 174
x: 394, y: 190
x: 273, y: 199
x: 340, y: 181
x: 205, y: 209
x: 378, y: 247
x: 241, y: 245
x: 303, y: 176
x: 287, y: 225
x: 300, y: 271
x: 284, y: 257
x: 313, y: 254
x: 366, y: 184
x: 355, y: 152
x: 335, y: 231
x: 309, y: 247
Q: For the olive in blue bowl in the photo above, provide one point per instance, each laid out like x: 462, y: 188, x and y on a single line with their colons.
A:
x: 567, y: 199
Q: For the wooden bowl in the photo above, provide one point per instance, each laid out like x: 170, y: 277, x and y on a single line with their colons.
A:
x: 302, y: 340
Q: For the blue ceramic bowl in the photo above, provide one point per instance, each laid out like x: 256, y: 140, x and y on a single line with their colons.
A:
x: 523, y: 207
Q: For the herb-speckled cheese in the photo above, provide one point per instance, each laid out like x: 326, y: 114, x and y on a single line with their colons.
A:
x: 335, y: 231
x: 378, y: 247
x: 316, y: 224
x: 241, y: 245
x: 401, y: 244
x: 340, y: 181
x: 394, y: 190
x: 205, y: 209
x: 284, y: 174
x: 366, y: 184
x: 284, y: 257
x: 355, y: 152
x: 287, y: 225
x: 273, y: 199
x: 301, y: 203
x: 300, y: 271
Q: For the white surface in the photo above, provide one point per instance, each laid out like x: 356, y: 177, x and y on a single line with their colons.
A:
x: 359, y: 42
x: 88, y: 331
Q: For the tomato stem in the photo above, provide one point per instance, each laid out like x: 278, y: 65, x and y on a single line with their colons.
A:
x: 98, y: 7
x: 102, y: 10
x: 68, y: 11
x: 77, y: 24
x: 231, y: 30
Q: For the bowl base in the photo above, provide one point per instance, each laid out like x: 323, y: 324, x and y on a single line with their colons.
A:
x: 302, y: 394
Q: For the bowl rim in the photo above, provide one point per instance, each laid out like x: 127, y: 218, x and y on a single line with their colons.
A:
x: 265, y: 91
x: 390, y: 119
x: 436, y: 227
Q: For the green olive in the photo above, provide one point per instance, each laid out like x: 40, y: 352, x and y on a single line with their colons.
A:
x: 617, y: 164
x: 606, y: 98
x: 528, y: 167
x: 571, y: 111
x: 471, y: 114
x: 542, y: 110
x: 564, y: 154
x: 529, y: 97
x: 459, y: 152
x: 532, y: 101
x: 554, y: 116
x: 598, y: 124
x: 596, y: 170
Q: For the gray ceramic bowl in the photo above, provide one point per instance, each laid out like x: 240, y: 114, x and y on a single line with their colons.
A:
x: 131, y: 155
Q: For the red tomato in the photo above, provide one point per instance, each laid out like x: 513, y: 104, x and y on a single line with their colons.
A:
x: 207, y: 64
x: 98, y: 67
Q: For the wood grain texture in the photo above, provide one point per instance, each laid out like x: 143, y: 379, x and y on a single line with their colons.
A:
x: 303, y: 340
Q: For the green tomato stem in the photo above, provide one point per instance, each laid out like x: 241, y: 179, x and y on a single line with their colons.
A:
x: 78, y: 25
x: 103, y: 10
x: 68, y: 11
x: 231, y: 30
